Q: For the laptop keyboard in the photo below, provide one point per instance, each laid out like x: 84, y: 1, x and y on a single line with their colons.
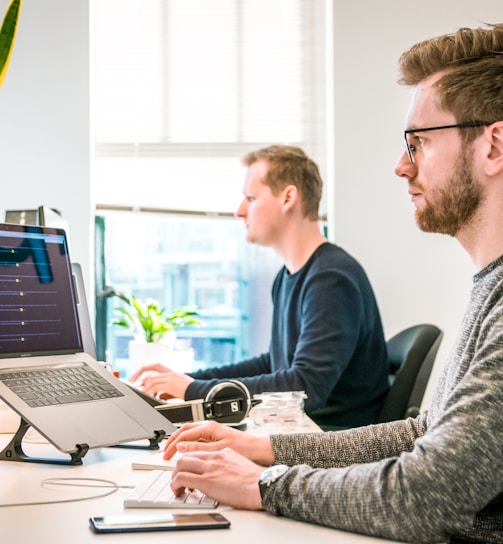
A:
x: 49, y: 386
x: 154, y: 492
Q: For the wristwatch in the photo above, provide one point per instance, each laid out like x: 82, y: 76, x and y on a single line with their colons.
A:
x: 269, y: 476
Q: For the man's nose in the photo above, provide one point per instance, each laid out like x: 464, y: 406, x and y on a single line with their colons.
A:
x: 404, y: 168
x: 240, y: 212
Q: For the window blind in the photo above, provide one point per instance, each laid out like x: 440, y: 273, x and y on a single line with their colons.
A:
x: 183, y: 88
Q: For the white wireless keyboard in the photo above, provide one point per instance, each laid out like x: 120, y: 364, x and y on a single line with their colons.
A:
x: 154, y: 492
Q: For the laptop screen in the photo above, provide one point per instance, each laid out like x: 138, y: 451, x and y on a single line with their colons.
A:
x: 38, y: 314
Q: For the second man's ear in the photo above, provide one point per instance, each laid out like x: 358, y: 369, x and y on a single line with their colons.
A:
x: 290, y: 195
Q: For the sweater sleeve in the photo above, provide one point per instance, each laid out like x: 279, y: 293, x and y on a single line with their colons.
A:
x: 205, y: 379
x: 344, y: 448
x: 432, y: 489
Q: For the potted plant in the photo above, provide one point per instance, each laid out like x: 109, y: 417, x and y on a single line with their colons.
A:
x: 150, y: 322
x: 153, y: 328
x: 7, y: 36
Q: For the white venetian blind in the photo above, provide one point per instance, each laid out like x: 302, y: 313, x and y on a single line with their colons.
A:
x: 185, y: 87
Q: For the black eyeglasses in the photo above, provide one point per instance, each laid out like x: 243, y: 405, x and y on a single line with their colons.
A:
x: 460, y: 125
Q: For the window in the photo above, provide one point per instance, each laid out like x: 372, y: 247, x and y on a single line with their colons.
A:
x: 183, y: 89
x: 190, y: 260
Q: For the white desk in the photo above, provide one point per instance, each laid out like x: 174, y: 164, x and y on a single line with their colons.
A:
x: 65, y: 523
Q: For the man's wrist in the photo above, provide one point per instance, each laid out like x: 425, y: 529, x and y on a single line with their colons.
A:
x: 270, y: 476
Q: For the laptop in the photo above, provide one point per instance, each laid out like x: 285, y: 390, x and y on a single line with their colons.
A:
x: 88, y: 343
x: 86, y: 329
x: 40, y: 334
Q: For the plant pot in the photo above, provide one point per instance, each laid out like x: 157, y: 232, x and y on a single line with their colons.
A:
x: 143, y: 353
x: 180, y: 360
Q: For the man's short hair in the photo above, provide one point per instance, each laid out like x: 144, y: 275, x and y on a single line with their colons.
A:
x: 471, y: 60
x: 289, y: 165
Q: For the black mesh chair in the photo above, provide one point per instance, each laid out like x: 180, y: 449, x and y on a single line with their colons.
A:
x: 411, y: 353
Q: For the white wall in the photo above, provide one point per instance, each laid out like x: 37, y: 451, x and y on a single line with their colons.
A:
x: 44, y: 118
x: 418, y: 277
x: 45, y: 144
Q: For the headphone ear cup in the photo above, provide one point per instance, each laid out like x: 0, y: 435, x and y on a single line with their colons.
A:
x: 229, y: 401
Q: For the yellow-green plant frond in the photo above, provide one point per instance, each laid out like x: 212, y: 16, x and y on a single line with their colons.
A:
x: 8, y: 35
x: 149, y: 320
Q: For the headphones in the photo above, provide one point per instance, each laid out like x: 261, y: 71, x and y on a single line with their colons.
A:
x: 226, y: 402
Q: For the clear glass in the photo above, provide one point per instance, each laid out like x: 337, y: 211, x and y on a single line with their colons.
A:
x: 279, y: 407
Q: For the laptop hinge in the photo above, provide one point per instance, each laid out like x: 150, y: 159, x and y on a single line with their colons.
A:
x: 14, y: 450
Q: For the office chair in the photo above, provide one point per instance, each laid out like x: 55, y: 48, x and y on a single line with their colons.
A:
x: 411, y: 354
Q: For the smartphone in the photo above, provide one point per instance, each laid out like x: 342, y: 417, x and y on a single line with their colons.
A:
x: 127, y: 523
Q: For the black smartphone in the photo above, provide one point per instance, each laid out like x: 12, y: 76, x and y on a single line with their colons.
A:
x: 127, y: 523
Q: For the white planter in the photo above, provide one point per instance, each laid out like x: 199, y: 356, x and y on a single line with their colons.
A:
x: 180, y: 360
x: 143, y: 353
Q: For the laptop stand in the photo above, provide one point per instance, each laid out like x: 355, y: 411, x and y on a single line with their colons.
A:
x: 153, y: 443
x: 14, y: 450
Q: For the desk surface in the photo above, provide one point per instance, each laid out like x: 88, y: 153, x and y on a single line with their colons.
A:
x: 68, y: 521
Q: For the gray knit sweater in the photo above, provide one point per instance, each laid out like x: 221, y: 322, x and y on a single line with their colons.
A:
x: 436, y: 478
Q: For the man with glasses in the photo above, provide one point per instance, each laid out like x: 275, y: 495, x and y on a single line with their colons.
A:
x: 438, y: 477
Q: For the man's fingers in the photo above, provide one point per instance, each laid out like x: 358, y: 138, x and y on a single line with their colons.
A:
x: 187, y: 473
x: 190, y: 432
x: 199, y: 446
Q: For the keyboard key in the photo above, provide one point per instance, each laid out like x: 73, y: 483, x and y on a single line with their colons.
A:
x: 75, y: 397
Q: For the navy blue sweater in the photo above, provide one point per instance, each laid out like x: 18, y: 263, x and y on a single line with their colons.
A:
x: 327, y: 340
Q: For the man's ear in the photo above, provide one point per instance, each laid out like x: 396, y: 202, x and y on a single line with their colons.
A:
x: 290, y: 196
x: 494, y: 163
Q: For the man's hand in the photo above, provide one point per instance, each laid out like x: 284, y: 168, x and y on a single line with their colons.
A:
x: 223, y: 475
x: 159, y: 380
x: 212, y: 436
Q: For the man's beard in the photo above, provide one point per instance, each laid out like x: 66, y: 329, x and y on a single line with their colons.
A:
x: 454, y: 205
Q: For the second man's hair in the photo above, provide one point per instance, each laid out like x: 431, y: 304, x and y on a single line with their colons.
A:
x: 289, y: 165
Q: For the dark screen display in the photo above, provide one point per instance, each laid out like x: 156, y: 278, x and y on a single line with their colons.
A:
x: 37, y: 306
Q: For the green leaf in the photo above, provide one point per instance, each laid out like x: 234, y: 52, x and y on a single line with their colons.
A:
x: 148, y: 319
x: 7, y: 36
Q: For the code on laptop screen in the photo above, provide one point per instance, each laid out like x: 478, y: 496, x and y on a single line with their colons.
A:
x: 38, y: 314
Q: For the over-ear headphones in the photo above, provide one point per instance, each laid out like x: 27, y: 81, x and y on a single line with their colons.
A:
x: 226, y: 402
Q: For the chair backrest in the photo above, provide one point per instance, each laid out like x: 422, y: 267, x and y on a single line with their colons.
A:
x: 411, y: 354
